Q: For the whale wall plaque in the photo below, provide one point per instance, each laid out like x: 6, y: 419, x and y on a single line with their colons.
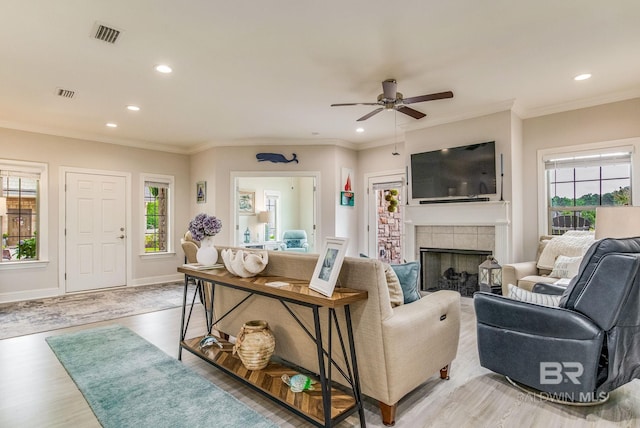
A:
x: 276, y: 158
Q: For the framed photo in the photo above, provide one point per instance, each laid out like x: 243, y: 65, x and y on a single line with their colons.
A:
x: 347, y: 198
x: 201, y: 192
x: 246, y: 202
x: 328, y: 267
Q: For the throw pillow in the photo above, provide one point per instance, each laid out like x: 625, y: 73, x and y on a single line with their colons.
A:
x: 570, y: 244
x: 393, y: 284
x: 523, y: 295
x: 293, y: 243
x: 566, y: 267
x: 395, y: 289
x: 408, y: 274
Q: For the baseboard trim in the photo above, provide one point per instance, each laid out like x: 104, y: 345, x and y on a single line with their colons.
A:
x: 156, y: 280
x: 19, y: 296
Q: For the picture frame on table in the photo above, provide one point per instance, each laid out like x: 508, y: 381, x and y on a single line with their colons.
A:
x: 246, y: 202
x: 329, y: 264
x: 201, y: 192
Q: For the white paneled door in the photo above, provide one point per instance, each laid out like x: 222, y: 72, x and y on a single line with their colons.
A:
x: 95, y: 231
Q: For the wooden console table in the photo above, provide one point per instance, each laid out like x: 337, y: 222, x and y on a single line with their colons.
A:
x: 326, y: 407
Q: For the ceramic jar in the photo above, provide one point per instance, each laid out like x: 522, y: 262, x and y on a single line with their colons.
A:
x: 255, y: 344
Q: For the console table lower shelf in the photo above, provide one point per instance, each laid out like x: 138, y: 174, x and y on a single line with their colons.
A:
x: 307, y: 404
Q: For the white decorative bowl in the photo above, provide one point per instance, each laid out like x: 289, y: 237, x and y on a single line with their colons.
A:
x: 244, y: 263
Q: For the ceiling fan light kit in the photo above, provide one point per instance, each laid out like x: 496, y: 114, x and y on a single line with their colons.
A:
x: 391, y: 99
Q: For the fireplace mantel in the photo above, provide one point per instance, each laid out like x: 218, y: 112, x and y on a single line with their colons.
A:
x: 492, y: 213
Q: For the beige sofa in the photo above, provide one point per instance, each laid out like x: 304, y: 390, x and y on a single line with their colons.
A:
x: 397, y: 348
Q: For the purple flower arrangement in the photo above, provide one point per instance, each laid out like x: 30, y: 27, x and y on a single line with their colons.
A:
x: 204, y: 225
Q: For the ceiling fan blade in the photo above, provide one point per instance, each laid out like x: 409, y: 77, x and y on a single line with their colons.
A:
x: 430, y: 97
x: 368, y: 115
x: 410, y: 112
x: 354, y: 104
x: 389, y: 88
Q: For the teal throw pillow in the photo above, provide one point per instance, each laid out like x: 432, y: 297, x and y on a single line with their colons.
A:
x: 408, y: 274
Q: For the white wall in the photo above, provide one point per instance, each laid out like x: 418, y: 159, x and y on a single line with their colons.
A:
x: 60, y: 152
x: 517, y: 194
x: 346, y: 224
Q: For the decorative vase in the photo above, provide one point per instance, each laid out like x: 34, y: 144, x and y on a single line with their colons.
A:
x: 207, y: 254
x: 255, y: 344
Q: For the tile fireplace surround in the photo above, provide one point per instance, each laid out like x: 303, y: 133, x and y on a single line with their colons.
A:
x: 464, y: 226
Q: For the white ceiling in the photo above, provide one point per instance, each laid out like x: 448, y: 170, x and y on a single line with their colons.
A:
x: 267, y: 71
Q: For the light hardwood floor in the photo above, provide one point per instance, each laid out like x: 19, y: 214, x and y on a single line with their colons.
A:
x: 35, y: 390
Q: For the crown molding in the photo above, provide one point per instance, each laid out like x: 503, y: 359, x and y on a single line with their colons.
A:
x: 581, y: 103
x: 66, y: 133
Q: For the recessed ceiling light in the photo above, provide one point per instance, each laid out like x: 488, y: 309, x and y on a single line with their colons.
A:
x: 584, y: 76
x: 360, y: 130
x: 133, y: 108
x: 163, y: 68
x: 111, y: 125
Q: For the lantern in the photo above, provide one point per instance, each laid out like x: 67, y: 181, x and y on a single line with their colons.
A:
x: 490, y: 276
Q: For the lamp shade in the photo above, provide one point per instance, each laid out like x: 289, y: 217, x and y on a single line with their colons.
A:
x: 264, y: 217
x: 617, y: 222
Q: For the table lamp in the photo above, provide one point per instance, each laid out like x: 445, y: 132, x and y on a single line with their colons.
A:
x: 617, y: 222
x: 265, y: 217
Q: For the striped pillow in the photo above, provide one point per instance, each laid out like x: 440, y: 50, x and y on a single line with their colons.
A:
x: 523, y: 295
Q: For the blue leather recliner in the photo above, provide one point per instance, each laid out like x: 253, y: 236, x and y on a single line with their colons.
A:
x: 581, y: 350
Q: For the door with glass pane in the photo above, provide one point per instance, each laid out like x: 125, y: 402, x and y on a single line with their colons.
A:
x: 386, y: 222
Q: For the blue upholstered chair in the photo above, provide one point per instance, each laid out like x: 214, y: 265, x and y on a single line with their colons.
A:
x: 295, y: 240
x: 590, y: 343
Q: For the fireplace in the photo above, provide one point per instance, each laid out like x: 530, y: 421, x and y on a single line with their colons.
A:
x: 451, y: 269
x: 482, y: 226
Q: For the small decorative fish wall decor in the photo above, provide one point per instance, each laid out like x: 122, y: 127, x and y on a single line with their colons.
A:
x: 275, y: 158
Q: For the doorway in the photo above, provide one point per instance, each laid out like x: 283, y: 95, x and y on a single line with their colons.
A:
x: 95, y: 230
x: 281, y: 202
x: 385, y: 212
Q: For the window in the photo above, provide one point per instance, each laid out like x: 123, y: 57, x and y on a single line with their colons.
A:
x: 578, y: 183
x: 157, y: 211
x: 22, y: 211
x: 272, y: 205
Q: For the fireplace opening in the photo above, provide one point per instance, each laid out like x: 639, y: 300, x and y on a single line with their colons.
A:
x: 451, y: 269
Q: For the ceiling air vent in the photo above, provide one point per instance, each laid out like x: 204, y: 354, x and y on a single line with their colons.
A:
x: 105, y: 33
x: 65, y: 93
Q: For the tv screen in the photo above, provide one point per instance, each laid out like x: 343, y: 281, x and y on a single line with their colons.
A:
x: 464, y: 171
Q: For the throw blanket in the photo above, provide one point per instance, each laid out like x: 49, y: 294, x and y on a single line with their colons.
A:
x: 573, y: 243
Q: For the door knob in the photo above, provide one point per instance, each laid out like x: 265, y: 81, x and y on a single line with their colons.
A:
x: 121, y: 237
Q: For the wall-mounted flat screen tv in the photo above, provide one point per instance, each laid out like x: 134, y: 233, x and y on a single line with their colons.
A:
x: 465, y: 171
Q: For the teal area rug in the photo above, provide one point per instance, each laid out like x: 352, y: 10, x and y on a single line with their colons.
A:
x: 128, y: 382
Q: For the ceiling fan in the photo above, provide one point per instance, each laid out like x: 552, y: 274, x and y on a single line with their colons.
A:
x: 390, y: 99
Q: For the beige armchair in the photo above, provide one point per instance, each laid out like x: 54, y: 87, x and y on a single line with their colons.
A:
x: 189, y: 247
x: 558, y: 257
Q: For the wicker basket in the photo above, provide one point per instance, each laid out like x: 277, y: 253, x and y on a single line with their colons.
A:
x: 255, y: 344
